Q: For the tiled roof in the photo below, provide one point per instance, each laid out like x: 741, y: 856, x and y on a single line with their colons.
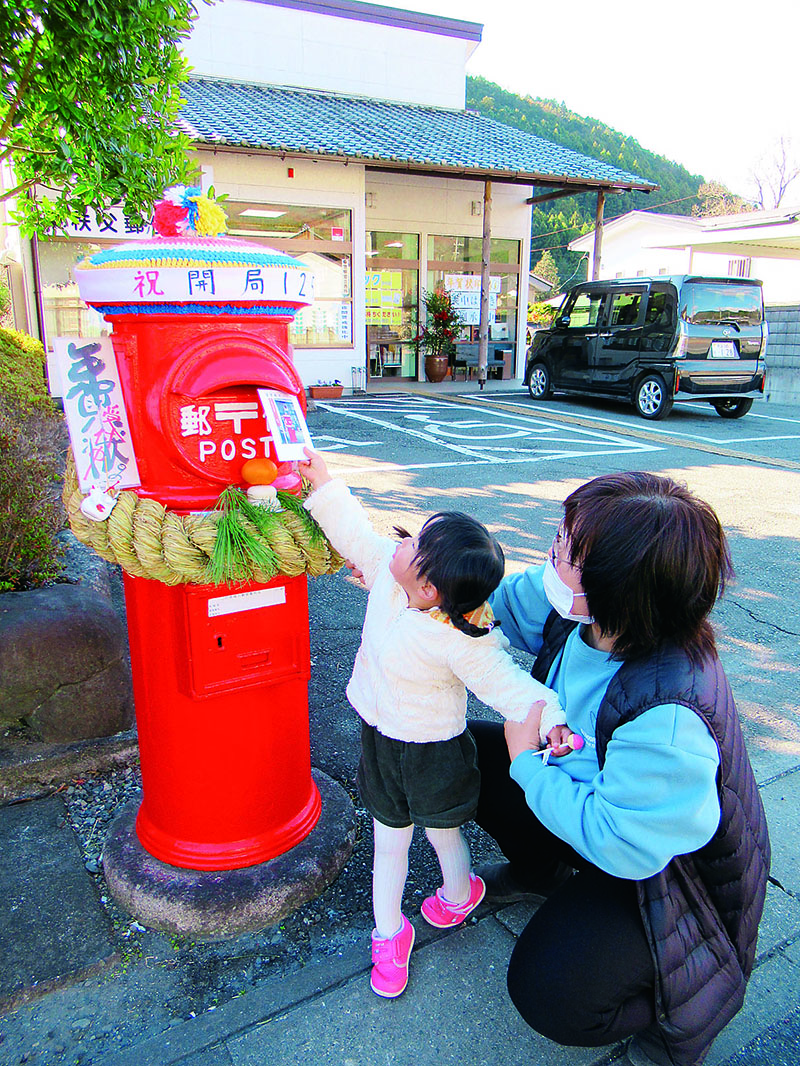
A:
x: 410, y: 136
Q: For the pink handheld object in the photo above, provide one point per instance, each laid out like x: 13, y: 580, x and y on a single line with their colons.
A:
x: 574, y: 740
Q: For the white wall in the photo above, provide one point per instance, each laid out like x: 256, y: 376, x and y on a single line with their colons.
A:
x: 243, y: 41
x: 625, y: 254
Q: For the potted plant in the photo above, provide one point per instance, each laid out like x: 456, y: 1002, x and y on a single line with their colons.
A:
x: 436, y: 339
x: 326, y: 390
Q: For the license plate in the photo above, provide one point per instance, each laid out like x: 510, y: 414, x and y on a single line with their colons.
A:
x: 723, y: 350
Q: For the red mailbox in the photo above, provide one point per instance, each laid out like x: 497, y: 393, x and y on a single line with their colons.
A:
x: 220, y: 673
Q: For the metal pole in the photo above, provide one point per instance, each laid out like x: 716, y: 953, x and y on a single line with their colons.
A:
x: 486, y: 255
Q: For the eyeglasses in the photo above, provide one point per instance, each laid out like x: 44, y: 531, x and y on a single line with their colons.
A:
x: 559, y: 549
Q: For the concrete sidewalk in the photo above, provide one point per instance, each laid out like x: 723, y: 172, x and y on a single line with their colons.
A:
x: 454, y: 1011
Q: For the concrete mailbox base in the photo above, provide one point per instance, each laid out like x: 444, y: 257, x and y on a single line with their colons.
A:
x: 217, y: 904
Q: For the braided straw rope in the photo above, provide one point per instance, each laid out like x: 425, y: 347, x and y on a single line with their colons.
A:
x: 149, y: 541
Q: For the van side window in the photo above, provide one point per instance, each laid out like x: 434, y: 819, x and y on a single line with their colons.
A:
x: 625, y: 309
x: 658, y: 310
x: 585, y: 311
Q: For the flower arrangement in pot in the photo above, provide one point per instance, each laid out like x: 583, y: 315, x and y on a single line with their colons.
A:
x: 436, y: 339
x: 326, y: 390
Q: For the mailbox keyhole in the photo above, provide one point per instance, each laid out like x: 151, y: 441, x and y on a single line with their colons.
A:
x: 219, y: 642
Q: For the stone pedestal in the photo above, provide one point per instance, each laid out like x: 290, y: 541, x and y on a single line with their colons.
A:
x: 218, y: 904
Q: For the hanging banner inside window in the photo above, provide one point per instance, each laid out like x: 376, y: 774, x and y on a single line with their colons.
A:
x: 96, y: 416
x: 465, y: 296
x: 384, y: 297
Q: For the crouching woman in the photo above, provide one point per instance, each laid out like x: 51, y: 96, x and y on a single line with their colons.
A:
x: 650, y: 842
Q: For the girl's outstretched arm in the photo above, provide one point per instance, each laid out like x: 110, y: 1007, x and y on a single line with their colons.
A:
x: 344, y: 520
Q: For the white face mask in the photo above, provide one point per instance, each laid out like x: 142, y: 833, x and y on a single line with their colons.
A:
x: 561, y: 596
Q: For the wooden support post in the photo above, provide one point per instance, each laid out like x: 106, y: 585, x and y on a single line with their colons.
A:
x: 598, y: 235
x: 486, y: 255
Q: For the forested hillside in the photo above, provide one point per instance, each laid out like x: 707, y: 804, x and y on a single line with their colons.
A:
x: 555, y: 224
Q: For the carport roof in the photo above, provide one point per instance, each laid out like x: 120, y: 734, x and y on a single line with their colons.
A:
x: 759, y: 235
x: 386, y: 135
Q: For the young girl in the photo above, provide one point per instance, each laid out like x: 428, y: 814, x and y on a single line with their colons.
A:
x: 427, y: 633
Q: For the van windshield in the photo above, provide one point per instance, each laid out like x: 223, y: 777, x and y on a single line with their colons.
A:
x: 707, y: 304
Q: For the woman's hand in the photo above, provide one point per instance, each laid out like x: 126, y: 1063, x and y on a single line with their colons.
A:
x: 524, y: 736
x: 314, y: 469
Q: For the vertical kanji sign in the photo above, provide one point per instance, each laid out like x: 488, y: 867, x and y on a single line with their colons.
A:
x: 96, y: 416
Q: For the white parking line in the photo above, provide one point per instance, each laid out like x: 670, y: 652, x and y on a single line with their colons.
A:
x: 647, y: 427
x: 543, y: 440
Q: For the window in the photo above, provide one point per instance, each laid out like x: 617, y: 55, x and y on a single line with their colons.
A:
x: 392, y: 296
x: 584, y: 310
x: 470, y: 250
x: 454, y: 257
x: 705, y: 304
x: 624, y: 309
x: 658, y: 310
x: 392, y: 285
x: 320, y: 237
x: 739, y: 268
x: 65, y: 314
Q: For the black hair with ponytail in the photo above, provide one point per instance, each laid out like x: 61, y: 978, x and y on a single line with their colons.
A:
x: 464, y: 563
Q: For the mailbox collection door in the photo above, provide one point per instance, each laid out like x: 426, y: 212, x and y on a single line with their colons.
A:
x: 222, y: 710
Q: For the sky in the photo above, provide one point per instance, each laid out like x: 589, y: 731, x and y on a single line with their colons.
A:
x: 709, y: 84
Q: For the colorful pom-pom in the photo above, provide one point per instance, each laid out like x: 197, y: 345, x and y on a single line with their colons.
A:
x: 211, y: 220
x: 186, y: 212
x: 168, y: 219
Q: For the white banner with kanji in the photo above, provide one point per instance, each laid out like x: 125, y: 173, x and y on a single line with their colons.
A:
x: 96, y: 416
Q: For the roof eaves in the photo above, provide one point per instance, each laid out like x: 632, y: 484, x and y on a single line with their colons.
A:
x: 470, y: 134
x: 386, y: 16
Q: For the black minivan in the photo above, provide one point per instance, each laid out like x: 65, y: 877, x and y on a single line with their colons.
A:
x: 654, y: 341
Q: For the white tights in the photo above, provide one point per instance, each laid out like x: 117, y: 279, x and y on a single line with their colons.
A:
x: 390, y: 869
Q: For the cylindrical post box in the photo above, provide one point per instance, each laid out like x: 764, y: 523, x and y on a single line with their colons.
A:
x: 220, y: 672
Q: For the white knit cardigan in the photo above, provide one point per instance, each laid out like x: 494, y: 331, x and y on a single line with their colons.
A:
x: 410, y: 672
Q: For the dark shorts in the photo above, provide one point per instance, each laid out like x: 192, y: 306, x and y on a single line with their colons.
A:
x: 435, y: 785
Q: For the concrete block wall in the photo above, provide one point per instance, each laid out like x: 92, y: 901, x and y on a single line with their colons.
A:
x: 783, y: 354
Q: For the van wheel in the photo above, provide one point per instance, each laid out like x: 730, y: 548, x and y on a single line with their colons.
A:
x: 732, y: 408
x: 539, y: 382
x: 651, y: 399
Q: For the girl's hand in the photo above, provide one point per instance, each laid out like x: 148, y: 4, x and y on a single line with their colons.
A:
x: 524, y: 736
x: 314, y: 469
x: 355, y: 572
x: 558, y: 739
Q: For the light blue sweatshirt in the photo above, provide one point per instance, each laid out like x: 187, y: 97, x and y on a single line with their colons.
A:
x: 656, y: 796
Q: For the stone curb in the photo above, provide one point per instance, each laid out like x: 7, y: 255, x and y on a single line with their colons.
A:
x: 38, y: 769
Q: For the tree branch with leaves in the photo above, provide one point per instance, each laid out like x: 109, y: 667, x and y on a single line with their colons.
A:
x: 89, y: 98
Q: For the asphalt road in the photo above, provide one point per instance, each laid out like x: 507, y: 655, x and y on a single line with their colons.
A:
x: 511, y: 462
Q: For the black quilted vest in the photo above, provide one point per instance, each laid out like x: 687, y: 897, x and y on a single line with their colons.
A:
x: 701, y: 912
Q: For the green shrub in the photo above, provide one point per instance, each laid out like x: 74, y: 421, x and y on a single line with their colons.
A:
x: 32, y: 444
x: 5, y: 300
x: 22, y: 375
